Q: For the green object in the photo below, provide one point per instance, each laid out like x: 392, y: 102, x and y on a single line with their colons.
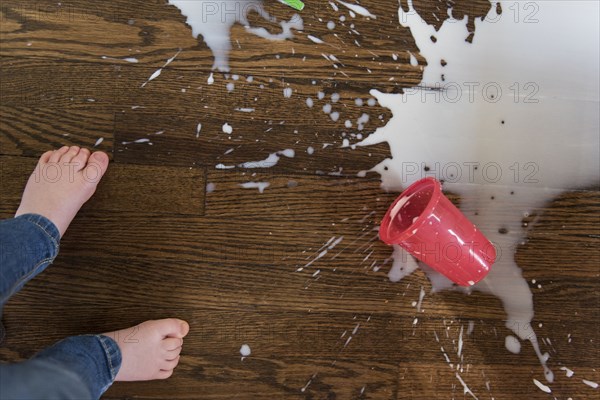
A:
x: 295, y: 4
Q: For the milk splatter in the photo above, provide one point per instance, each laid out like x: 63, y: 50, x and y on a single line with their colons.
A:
x: 357, y: 9
x: 593, y: 385
x: 322, y: 252
x: 223, y: 166
x: 142, y: 140
x: 261, y: 186
x: 157, y: 73
x: 466, y: 389
x: 473, y: 117
x: 213, y: 21
x: 270, y: 161
x: 132, y: 60
x: 303, y: 389
x: 568, y: 371
x: 315, y: 39
x: 541, y: 386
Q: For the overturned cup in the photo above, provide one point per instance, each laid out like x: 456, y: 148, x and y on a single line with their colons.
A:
x: 426, y: 224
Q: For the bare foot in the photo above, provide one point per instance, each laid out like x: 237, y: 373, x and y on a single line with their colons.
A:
x: 62, y: 181
x: 151, y: 349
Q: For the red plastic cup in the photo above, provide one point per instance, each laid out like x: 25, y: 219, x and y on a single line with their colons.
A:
x: 425, y: 223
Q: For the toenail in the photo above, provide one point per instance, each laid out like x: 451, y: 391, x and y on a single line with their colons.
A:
x: 99, y: 157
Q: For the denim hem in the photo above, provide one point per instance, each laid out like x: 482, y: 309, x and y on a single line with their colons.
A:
x: 113, y: 356
x: 45, y: 225
x: 95, y: 359
x: 51, y: 250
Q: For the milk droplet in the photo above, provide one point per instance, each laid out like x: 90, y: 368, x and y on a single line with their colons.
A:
x: 228, y: 129
x: 541, y: 386
x: 315, y: 39
x: 245, y: 350
x: 593, y: 385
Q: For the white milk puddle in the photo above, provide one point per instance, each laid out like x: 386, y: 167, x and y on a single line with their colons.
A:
x: 213, y: 21
x: 499, y: 120
x: 504, y: 124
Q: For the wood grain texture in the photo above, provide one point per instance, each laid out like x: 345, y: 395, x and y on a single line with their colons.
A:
x: 153, y: 242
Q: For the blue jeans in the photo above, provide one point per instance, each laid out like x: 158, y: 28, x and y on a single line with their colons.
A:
x: 78, y: 367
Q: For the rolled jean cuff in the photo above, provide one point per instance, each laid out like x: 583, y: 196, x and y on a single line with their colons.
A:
x: 46, y: 225
x: 28, y: 244
x: 95, y: 359
x: 113, y: 356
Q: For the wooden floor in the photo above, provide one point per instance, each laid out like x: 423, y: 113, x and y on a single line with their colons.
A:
x: 153, y: 243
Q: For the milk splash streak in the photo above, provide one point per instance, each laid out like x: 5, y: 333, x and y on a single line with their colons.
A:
x: 508, y: 121
x: 213, y: 21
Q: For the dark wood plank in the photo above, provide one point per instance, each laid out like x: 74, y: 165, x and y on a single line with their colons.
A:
x: 134, y: 188
x: 29, y: 131
x: 252, y: 140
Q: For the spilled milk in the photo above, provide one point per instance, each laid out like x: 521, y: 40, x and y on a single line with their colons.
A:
x: 508, y: 121
x: 214, y: 20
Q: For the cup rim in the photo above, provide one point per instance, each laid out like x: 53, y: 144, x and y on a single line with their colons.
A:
x: 427, y: 211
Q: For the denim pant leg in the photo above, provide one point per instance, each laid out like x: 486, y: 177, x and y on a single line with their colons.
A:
x: 78, y: 367
x: 28, y: 244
